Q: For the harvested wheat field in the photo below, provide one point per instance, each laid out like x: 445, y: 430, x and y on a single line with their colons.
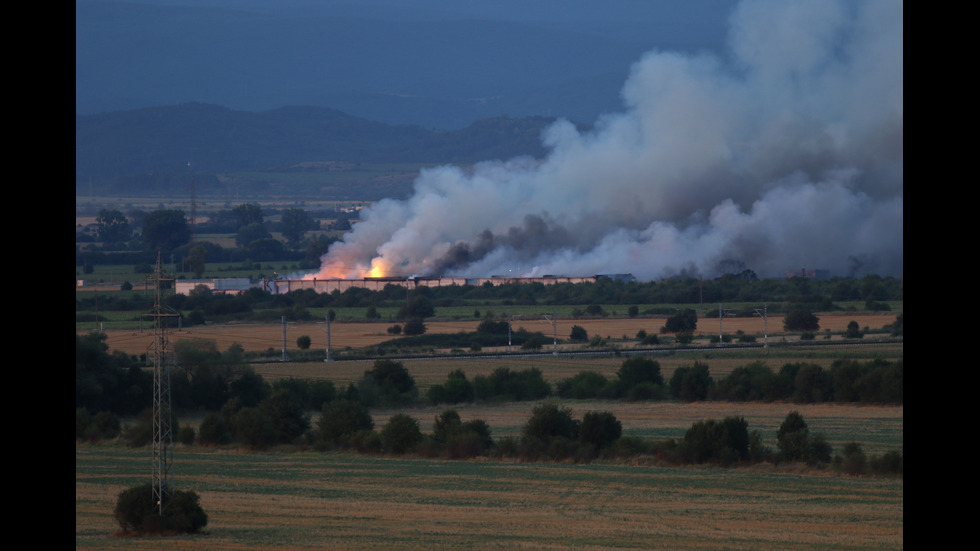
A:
x: 261, y: 337
x: 333, y: 501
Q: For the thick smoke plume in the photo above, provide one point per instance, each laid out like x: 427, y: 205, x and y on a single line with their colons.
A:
x: 785, y: 153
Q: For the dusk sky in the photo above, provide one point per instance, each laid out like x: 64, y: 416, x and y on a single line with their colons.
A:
x: 764, y: 134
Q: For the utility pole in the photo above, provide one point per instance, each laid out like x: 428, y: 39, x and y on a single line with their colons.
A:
x: 554, y: 326
x: 765, y: 324
x: 163, y: 360
x: 284, y: 339
x: 329, y: 359
x: 510, y: 321
x: 721, y: 316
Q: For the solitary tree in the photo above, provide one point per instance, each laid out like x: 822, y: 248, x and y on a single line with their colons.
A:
x: 195, y: 259
x: 801, y: 320
x: 681, y: 322
x: 853, y: 331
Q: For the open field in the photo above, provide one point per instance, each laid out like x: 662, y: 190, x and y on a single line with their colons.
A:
x: 309, y: 500
x: 261, y: 337
x: 303, y: 500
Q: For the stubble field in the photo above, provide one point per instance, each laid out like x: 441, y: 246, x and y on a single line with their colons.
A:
x: 303, y: 500
x: 260, y: 337
x: 308, y: 500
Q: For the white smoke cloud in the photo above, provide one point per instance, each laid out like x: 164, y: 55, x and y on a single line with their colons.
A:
x: 785, y: 154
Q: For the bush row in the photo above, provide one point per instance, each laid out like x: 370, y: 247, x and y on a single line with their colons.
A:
x: 551, y: 433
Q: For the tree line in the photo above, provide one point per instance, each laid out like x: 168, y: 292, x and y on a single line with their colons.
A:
x: 794, y: 297
x: 242, y: 408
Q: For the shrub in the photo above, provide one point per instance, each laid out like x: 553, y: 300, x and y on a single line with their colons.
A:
x: 401, y: 434
x: 681, y: 322
x: 578, y: 334
x: 214, y: 430
x: 340, y: 420
x: 287, y: 414
x: 386, y: 383
x: 636, y: 370
x: 456, y: 439
x: 853, y: 331
x: 549, y: 421
x: 851, y: 460
x: 102, y: 426
x: 890, y: 463
x: 83, y: 420
x: 492, y: 327
x: 812, y: 385
x: 685, y: 337
x: 797, y: 444
x: 691, y: 383
x: 366, y: 441
x: 414, y: 326
x: 792, y: 436
x: 599, y: 429
x: 186, y: 436
x: 455, y: 390
x: 533, y: 343
x: 723, y: 442
x: 503, y: 383
x: 645, y: 391
x: 254, y: 428
x: 136, y: 512
x: 801, y: 320
x: 751, y: 382
x: 304, y: 342
x: 584, y: 385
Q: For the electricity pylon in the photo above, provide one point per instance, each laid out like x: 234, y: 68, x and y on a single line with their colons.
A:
x: 163, y: 360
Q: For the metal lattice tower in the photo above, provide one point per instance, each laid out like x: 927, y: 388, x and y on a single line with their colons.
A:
x: 163, y: 361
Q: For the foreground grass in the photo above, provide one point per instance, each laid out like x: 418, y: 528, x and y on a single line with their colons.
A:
x: 341, y: 501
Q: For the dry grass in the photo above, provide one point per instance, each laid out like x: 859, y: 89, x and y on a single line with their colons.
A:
x: 261, y: 337
x: 303, y: 501
x: 306, y: 500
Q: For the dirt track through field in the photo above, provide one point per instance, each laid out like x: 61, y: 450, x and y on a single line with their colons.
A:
x: 261, y: 337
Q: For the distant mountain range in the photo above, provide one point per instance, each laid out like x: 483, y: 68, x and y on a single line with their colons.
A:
x: 140, y: 151
x: 433, y: 63
x: 170, y: 87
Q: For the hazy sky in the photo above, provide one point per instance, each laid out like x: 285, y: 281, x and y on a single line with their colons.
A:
x: 435, y: 63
